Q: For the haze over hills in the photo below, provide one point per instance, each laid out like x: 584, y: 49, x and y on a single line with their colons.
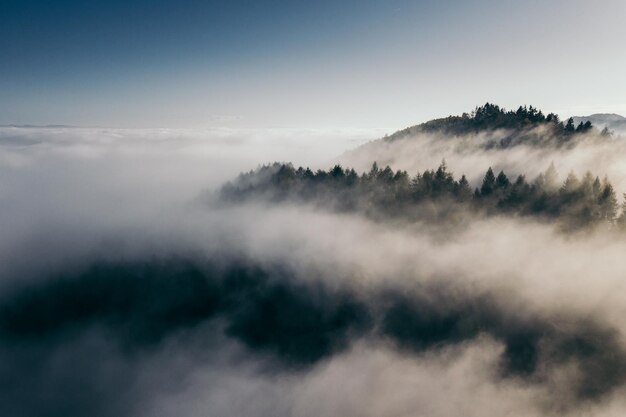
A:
x: 612, y: 121
x: 383, y: 193
x: 308, y: 209
x: 303, y: 278
x: 522, y: 141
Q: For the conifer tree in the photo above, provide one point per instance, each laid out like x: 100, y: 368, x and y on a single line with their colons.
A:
x: 502, y: 180
x: 551, y: 178
x: 463, y: 190
x: 571, y: 184
x: 621, y: 220
x: 489, y: 182
x: 607, y: 201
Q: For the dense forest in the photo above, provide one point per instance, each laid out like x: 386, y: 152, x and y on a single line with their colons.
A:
x: 435, y: 195
x: 525, y: 125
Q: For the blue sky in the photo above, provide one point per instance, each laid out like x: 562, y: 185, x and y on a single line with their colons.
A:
x: 303, y: 64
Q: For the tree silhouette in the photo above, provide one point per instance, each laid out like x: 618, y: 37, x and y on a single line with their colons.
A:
x: 489, y: 182
x: 435, y: 195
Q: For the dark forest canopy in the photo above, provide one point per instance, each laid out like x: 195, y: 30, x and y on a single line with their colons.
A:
x: 435, y: 195
x: 293, y: 324
x: 517, y: 126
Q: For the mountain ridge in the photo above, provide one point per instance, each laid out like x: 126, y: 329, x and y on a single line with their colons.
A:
x: 612, y: 121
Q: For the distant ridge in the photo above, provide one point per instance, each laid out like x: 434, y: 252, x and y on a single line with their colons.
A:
x: 608, y: 117
x: 611, y: 121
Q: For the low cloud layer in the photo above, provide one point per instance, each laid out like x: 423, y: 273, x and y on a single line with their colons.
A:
x: 125, y: 291
x: 466, y: 155
x: 293, y: 323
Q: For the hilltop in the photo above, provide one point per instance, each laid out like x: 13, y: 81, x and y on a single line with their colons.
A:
x: 610, y: 121
x: 503, y: 127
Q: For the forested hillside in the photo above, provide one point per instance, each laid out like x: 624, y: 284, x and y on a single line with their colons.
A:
x: 434, y: 194
x: 526, y: 125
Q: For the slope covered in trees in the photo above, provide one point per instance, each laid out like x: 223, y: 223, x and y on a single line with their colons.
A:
x: 435, y: 195
x: 526, y: 125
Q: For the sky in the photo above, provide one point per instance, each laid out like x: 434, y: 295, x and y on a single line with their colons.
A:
x: 303, y: 64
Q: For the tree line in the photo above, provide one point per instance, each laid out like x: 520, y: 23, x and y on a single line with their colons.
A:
x: 436, y: 194
x: 518, y: 123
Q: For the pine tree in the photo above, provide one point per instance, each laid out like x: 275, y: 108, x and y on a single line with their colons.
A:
x: 489, y: 182
x: 587, y: 184
x: 551, y: 178
x: 607, y: 201
x: 596, y: 187
x: 352, y: 178
x: 571, y: 184
x: 502, y: 180
x: 621, y: 220
x: 373, y: 174
x: 463, y: 191
x: 337, y: 172
x: 443, y: 180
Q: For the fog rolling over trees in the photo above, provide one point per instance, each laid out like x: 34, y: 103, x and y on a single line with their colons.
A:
x: 471, y: 265
x: 523, y: 141
x: 435, y: 195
